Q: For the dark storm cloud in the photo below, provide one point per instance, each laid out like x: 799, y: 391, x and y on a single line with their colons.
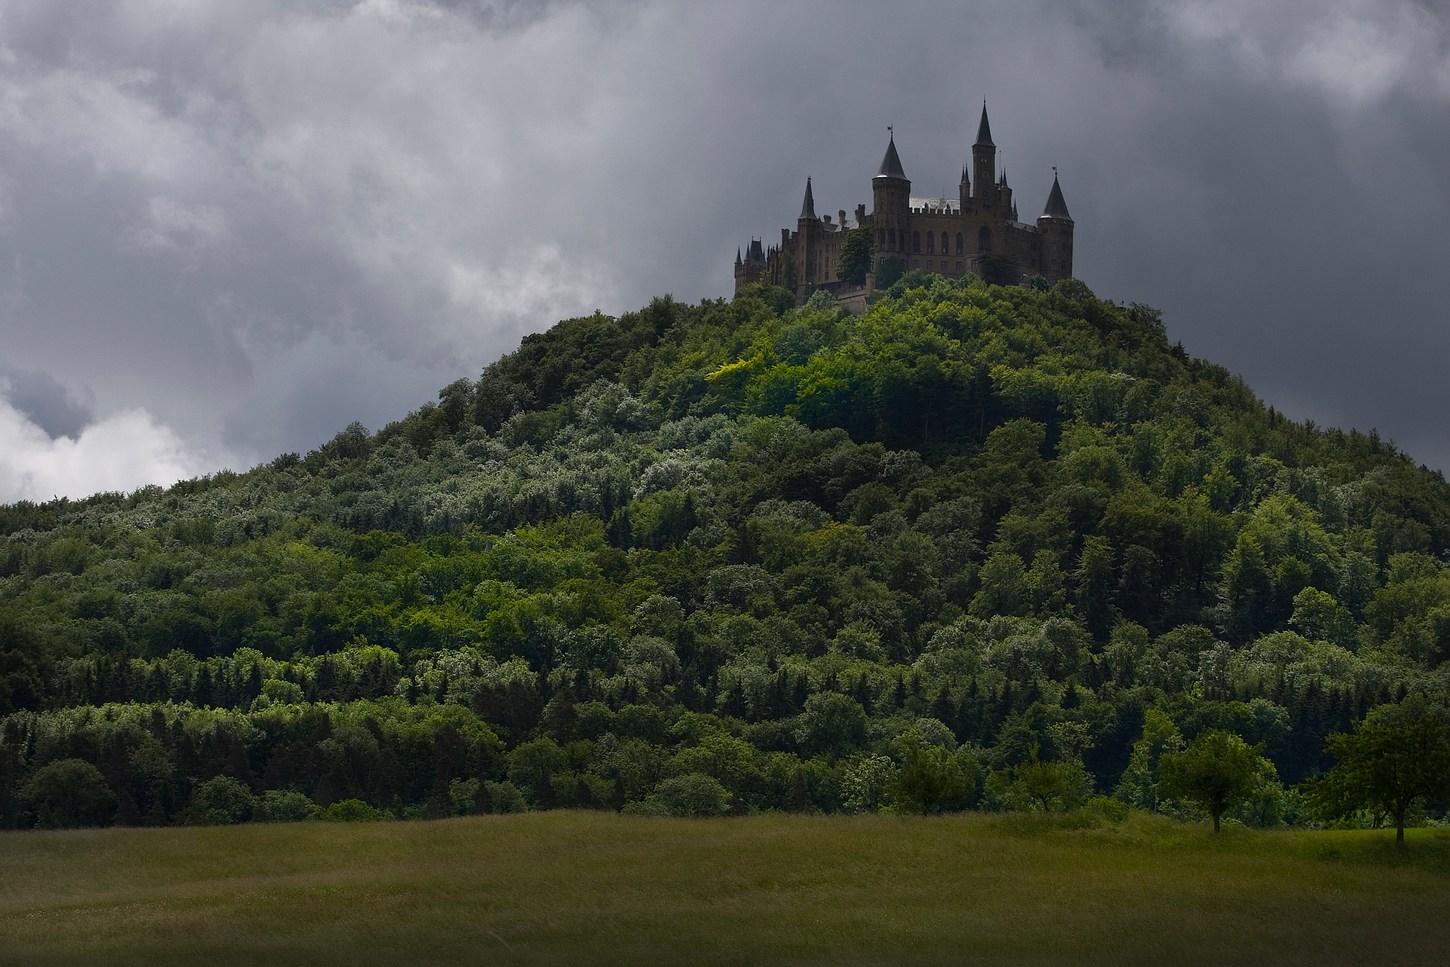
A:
x: 253, y: 224
x: 45, y: 402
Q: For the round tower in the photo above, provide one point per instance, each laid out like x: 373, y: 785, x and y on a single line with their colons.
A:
x: 891, y: 204
x: 1055, y: 225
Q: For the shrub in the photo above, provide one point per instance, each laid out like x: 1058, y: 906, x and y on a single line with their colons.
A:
x: 350, y: 811
x: 285, y: 806
x: 220, y: 801
x: 68, y: 794
x: 693, y: 794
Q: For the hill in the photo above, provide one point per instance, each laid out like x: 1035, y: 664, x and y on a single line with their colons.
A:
x: 735, y: 556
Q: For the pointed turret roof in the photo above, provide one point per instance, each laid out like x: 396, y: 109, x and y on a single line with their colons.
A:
x: 891, y: 164
x: 1056, y: 207
x: 808, y: 207
x: 984, y: 131
x: 737, y: 256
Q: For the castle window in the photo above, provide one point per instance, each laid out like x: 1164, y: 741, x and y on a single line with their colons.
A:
x: 930, y: 243
x: 960, y: 249
x: 984, y: 239
x: 959, y: 265
x: 943, y: 243
x: 916, y: 241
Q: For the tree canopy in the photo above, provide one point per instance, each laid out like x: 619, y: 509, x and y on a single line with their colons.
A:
x: 1396, y: 755
x: 981, y: 547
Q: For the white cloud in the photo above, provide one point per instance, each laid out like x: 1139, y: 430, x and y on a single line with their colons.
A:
x: 122, y: 452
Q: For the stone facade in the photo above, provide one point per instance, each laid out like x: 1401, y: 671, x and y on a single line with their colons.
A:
x: 978, y: 232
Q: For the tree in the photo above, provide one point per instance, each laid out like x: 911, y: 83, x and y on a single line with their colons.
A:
x: 1000, y: 270
x: 832, y: 724
x: 1394, y: 756
x: 889, y: 271
x: 1042, y: 785
x: 856, y: 253
x: 693, y: 794
x: 929, y: 777
x: 220, y: 801
x: 69, y: 793
x: 1217, y: 770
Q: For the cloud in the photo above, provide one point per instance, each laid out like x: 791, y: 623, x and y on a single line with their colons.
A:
x: 260, y: 222
x: 122, y: 452
x: 42, y: 400
x: 1352, y: 53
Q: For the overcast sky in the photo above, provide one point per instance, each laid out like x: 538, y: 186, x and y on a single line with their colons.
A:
x: 227, y: 230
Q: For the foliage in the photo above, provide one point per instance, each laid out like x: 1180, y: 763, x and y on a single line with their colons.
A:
x: 857, y: 252
x: 982, y: 545
x: 220, y: 801
x: 69, y: 793
x: 1396, y: 755
x: 1217, y: 770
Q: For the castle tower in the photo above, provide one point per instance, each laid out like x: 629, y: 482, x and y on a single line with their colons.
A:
x: 808, y: 246
x: 964, y: 190
x: 891, y: 201
x: 984, y: 161
x: 1056, y: 226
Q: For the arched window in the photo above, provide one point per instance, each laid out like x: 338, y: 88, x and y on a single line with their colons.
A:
x: 984, y: 239
x: 943, y: 243
x: 930, y: 243
x: 880, y: 238
x: 916, y: 241
x: 961, y: 250
x: 890, y: 239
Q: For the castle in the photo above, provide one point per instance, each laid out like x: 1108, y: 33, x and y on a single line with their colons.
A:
x: 977, y: 233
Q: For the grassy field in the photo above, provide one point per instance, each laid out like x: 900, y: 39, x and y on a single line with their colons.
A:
x: 592, y: 888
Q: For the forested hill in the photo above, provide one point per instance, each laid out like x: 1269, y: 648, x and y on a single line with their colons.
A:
x: 735, y: 556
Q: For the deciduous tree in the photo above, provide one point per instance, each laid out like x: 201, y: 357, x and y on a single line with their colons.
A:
x: 1395, y: 755
x: 1217, y: 770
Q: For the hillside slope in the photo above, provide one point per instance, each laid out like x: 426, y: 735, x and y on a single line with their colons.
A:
x: 740, y: 556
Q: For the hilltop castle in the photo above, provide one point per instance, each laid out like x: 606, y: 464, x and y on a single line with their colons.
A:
x: 977, y: 232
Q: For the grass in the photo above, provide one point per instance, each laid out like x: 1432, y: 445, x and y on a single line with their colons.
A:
x: 605, y: 889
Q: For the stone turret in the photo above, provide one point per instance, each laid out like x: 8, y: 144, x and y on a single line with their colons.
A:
x: 891, y: 197
x: 1056, y: 227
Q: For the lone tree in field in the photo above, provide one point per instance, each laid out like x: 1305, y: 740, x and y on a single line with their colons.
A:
x: 1217, y: 770
x: 1394, y: 756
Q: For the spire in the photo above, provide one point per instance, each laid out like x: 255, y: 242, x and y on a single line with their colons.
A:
x: 965, y: 180
x: 1056, y: 207
x: 891, y: 164
x: 737, y: 255
x: 984, y: 130
x: 808, y: 207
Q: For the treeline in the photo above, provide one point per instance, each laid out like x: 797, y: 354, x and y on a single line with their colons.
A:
x: 979, y: 543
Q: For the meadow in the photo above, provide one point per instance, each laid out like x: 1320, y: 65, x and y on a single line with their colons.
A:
x: 599, y: 888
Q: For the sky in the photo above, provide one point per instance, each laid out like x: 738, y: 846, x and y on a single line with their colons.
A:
x: 228, y: 230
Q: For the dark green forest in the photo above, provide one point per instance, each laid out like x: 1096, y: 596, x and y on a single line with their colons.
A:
x: 983, y: 547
